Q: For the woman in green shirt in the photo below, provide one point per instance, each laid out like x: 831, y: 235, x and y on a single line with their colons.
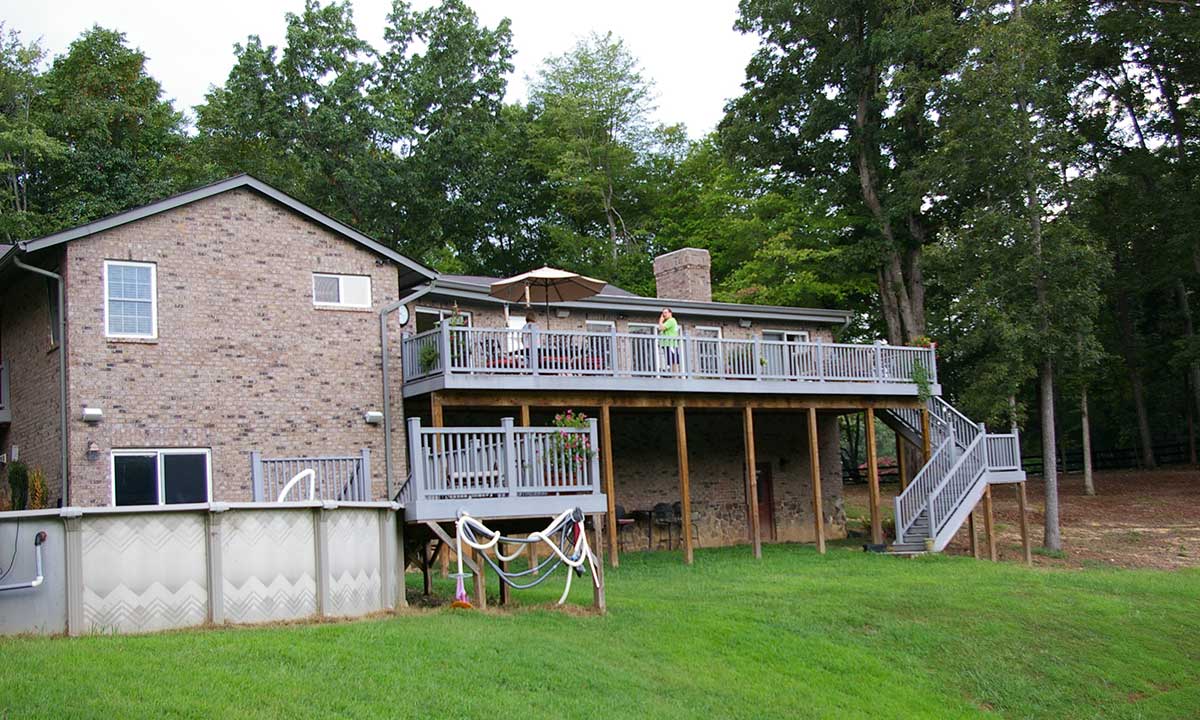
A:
x: 668, y: 334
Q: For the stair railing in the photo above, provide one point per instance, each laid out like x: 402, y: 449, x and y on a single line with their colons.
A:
x: 910, y: 503
x: 957, y: 484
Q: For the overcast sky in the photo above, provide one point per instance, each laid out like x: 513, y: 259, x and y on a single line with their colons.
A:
x: 689, y: 48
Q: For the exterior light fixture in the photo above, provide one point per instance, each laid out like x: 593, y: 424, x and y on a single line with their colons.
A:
x: 93, y: 450
x: 562, y: 313
x: 373, y: 417
x: 744, y: 323
x: 92, y: 415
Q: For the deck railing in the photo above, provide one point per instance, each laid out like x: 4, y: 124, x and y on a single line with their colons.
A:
x: 503, y: 351
x: 499, y: 463
x: 345, y: 478
x: 5, y: 403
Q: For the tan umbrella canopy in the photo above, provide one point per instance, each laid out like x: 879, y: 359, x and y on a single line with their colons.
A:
x: 546, y: 285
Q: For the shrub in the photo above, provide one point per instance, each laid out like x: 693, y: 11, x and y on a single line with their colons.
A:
x: 18, y: 483
x: 37, y: 490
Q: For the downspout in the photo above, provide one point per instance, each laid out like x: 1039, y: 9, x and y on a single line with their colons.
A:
x: 62, y: 367
x: 387, y: 394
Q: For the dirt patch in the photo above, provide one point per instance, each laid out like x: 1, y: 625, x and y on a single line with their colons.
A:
x: 1148, y: 519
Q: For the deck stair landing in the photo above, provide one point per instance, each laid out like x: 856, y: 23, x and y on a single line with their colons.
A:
x: 966, y: 459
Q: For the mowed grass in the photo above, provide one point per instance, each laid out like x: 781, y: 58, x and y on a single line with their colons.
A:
x: 796, y: 635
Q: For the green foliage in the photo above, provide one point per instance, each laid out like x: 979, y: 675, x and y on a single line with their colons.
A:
x: 427, y: 359
x: 18, y: 483
x: 921, y: 378
x: 37, y: 490
x: 575, y: 447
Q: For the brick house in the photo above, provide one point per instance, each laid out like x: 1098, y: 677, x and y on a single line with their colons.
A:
x: 215, y: 343
x: 202, y: 331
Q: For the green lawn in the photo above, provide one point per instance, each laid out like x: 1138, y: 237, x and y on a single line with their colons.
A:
x: 796, y: 635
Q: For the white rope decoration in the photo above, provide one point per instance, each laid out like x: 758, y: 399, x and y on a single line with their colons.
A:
x: 581, y: 551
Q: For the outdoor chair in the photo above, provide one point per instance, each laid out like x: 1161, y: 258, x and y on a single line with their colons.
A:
x: 663, y: 516
x: 677, y: 521
x: 625, y: 521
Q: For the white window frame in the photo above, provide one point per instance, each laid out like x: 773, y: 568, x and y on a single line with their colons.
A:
x: 802, y: 333
x: 158, y: 453
x: 609, y: 325
x: 153, y: 300
x: 653, y: 327
x: 443, y: 314
x: 341, y: 303
x: 720, y: 331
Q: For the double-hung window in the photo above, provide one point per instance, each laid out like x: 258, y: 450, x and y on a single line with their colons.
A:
x: 161, y: 477
x: 130, y: 299
x: 344, y: 291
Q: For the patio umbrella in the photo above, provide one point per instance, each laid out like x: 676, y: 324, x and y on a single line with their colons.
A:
x: 546, y: 285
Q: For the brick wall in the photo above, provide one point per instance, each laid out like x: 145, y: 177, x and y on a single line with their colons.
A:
x: 27, y: 348
x: 243, y: 360
x: 685, y: 274
x: 646, y: 471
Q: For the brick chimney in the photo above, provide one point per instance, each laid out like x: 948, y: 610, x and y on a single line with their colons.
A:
x: 685, y: 274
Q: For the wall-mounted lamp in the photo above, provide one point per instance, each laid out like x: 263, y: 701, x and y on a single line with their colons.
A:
x: 562, y: 313
x: 92, y: 415
x: 373, y: 417
x: 744, y: 323
x: 93, y: 450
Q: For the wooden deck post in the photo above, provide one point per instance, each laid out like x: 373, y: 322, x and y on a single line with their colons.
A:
x: 752, y: 481
x: 524, y: 416
x: 873, y: 479
x: 1026, y: 546
x: 685, y: 494
x: 988, y: 524
x: 436, y: 420
x: 814, y: 457
x: 480, y: 580
x: 926, y: 436
x: 974, y: 542
x: 610, y: 485
x: 504, y: 589
x: 901, y: 462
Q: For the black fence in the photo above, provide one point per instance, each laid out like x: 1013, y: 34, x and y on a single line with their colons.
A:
x: 1071, y: 461
x: 1115, y: 459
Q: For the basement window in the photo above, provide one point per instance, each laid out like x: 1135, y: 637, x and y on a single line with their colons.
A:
x: 341, y: 291
x: 161, y: 477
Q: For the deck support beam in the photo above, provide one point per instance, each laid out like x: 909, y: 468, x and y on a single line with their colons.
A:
x: 973, y: 542
x: 685, y: 494
x: 814, y: 457
x: 1026, y: 545
x: 873, y: 480
x: 901, y: 462
x: 524, y: 415
x: 926, y: 436
x: 437, y: 420
x: 752, y: 481
x: 989, y: 525
x: 606, y: 465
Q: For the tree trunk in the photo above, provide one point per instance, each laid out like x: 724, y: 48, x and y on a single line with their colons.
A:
x: 1052, y: 538
x: 1088, y: 485
x: 1127, y: 340
x: 1185, y: 310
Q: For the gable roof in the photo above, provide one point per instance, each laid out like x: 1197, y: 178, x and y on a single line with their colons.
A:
x: 411, y: 272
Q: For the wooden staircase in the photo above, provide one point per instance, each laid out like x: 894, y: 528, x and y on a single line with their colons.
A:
x: 966, y: 459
